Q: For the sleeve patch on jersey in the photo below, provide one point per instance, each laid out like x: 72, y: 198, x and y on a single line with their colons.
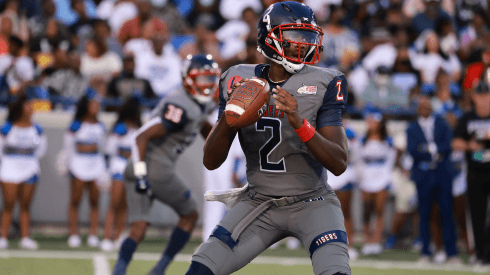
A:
x: 333, y: 236
x: 6, y: 128
x: 336, y: 94
x: 38, y: 129
x: 173, y: 117
x: 233, y: 80
x: 224, y: 235
x: 120, y: 129
x: 75, y: 126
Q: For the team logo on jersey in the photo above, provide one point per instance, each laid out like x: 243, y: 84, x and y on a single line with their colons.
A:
x: 307, y: 90
x: 262, y: 110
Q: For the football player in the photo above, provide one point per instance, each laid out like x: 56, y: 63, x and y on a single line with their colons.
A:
x: 286, y: 152
x: 157, y: 145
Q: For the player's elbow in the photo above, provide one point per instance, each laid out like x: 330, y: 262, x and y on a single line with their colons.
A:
x: 210, y: 163
x: 339, y: 169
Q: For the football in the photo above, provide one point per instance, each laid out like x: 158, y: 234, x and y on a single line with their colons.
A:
x: 247, y: 103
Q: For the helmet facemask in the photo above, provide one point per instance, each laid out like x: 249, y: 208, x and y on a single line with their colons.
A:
x: 202, y: 84
x: 295, y: 45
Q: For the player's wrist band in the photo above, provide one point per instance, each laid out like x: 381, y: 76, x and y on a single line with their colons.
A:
x: 139, y: 168
x: 306, y: 132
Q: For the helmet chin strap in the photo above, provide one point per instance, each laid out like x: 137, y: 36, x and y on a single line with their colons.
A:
x: 286, y: 64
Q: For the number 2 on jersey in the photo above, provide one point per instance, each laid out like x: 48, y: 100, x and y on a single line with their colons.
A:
x: 264, y: 152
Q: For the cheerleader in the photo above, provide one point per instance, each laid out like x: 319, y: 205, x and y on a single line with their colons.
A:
x: 119, y: 149
x: 377, y: 157
x: 82, y: 158
x: 22, y: 144
x: 343, y: 186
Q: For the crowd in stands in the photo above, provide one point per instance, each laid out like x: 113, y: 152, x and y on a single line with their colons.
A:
x: 395, y: 54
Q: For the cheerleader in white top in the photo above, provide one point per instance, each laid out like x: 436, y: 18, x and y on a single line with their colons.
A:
x: 344, y: 184
x: 85, y: 162
x: 22, y: 144
x: 377, y: 157
x: 118, y: 148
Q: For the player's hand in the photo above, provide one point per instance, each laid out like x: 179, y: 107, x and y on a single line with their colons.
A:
x: 236, y: 85
x: 142, y: 185
x: 287, y: 103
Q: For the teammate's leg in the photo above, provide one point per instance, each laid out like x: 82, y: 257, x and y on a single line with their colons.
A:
x: 178, y: 196
x: 9, y: 192
x: 76, y: 192
x: 179, y: 238
x: 128, y: 247
x: 26, y: 194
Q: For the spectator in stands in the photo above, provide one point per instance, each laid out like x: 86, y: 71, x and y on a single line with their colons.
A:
x: 377, y: 157
x: 176, y: 24
x: 404, y: 76
x: 37, y: 24
x: 16, y: 68
x: 67, y: 81
x: 472, y: 35
x: 430, y: 59
x: 395, y: 15
x: 5, y: 33
x: 466, y: 11
x: 116, y: 13
x: 83, y: 27
x: 133, y: 28
x: 161, y: 66
x: 443, y: 102
x: 428, y: 142
x: 473, y: 137
x: 99, y: 61
x: 233, y: 9
x: 478, y: 64
x: 67, y: 15
x: 103, y: 32
x: 119, y: 150
x: 344, y: 184
x: 50, y: 48
x: 126, y: 84
x: 82, y: 158
x: 383, y: 93
x: 338, y: 40
x: 19, y: 21
x: 22, y: 143
x: 428, y: 19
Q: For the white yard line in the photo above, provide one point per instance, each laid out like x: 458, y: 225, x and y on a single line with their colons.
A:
x: 104, y: 263
x: 101, y: 264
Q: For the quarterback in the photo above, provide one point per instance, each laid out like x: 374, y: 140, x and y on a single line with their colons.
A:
x: 299, y: 135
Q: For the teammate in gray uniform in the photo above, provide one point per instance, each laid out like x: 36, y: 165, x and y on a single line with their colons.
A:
x: 286, y: 152
x: 175, y: 123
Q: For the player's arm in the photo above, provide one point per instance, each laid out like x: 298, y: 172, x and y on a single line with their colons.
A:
x: 206, y: 129
x: 153, y: 129
x: 328, y: 145
x: 220, y: 138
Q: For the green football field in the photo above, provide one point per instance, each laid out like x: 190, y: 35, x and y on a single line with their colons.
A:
x: 55, y: 258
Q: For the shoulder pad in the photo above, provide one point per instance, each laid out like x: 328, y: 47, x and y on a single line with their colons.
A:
x: 6, y: 128
x: 75, y: 126
x: 350, y: 133
x: 38, y: 129
x: 120, y: 129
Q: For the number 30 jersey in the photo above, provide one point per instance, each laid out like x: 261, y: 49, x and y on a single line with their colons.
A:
x: 183, y: 118
x: 278, y: 162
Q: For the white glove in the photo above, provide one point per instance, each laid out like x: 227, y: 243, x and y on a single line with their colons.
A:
x: 104, y: 181
x: 62, y: 162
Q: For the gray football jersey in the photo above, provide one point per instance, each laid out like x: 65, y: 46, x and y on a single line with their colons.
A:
x: 183, y: 118
x: 278, y: 162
